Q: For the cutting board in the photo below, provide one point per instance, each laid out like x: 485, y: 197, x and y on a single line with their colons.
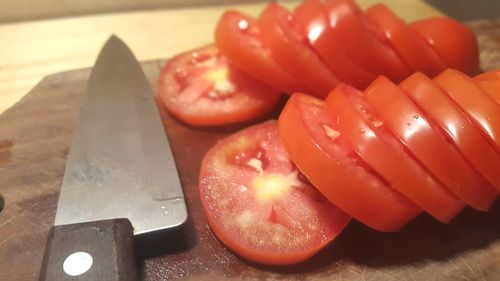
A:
x: 34, y: 139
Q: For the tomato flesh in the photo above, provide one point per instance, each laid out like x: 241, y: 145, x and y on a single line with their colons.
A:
x: 320, y: 151
x: 258, y: 204
x: 380, y: 149
x: 425, y: 141
x: 288, y: 48
x: 464, y: 134
x: 362, y: 40
x: 478, y: 105
x: 238, y: 37
x: 453, y: 41
x: 312, y: 21
x: 200, y: 88
x: 408, y: 43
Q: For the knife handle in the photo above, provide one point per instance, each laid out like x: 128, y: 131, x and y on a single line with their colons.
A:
x: 93, y: 251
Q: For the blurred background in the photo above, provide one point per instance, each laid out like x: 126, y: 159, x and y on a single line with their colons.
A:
x: 20, y: 10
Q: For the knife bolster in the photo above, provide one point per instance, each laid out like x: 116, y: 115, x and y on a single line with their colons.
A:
x: 104, y: 250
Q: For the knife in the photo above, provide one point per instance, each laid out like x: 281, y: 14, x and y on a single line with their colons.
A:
x: 120, y: 179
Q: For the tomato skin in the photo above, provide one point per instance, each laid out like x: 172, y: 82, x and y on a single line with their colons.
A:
x: 336, y: 171
x: 490, y: 83
x: 362, y: 41
x: 421, y: 137
x: 247, y: 210
x: 238, y: 37
x: 312, y: 21
x: 453, y: 41
x: 381, y: 150
x: 478, y: 105
x: 188, y: 91
x: 467, y: 138
x: 408, y: 43
x: 278, y: 34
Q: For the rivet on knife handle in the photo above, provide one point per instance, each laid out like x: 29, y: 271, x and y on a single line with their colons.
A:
x: 94, y: 251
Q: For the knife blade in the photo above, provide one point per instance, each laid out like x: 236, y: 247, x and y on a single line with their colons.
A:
x: 120, y: 178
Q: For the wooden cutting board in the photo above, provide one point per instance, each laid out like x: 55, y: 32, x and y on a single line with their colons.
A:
x: 34, y: 139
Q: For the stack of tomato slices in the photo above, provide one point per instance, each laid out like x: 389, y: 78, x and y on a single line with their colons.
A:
x: 278, y: 192
x: 310, y: 50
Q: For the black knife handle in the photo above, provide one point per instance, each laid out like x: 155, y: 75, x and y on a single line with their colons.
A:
x: 107, y: 246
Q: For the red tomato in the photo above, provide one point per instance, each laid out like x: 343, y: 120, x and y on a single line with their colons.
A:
x: 453, y: 41
x: 478, y: 105
x: 288, y: 48
x: 362, y: 40
x: 258, y: 204
x: 423, y: 138
x: 238, y: 37
x: 490, y: 82
x: 200, y: 88
x: 313, y: 23
x: 321, y: 152
x: 408, y: 43
x: 381, y: 150
x: 466, y: 136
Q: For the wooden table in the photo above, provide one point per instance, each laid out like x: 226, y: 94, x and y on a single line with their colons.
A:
x: 30, y: 51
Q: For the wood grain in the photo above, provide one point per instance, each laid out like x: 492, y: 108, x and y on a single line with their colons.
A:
x: 32, y: 50
x: 34, y: 139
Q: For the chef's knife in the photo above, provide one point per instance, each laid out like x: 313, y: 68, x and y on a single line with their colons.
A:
x: 120, y: 178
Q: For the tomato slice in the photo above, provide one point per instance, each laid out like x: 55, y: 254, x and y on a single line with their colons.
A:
x: 381, y: 150
x: 490, y: 82
x: 321, y: 152
x: 423, y: 138
x: 312, y: 21
x: 408, y: 43
x: 466, y: 136
x: 453, y: 41
x: 259, y: 205
x: 288, y: 48
x: 238, y: 37
x: 478, y: 105
x: 362, y: 40
x: 200, y: 88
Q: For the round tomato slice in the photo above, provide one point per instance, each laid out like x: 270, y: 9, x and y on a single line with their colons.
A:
x: 200, y: 88
x: 423, y: 138
x: 312, y: 21
x: 288, y: 48
x: 259, y: 205
x: 408, y: 43
x: 466, y: 136
x: 490, y: 82
x: 321, y: 152
x: 363, y: 41
x: 478, y: 105
x: 453, y: 41
x: 380, y: 149
x: 238, y: 37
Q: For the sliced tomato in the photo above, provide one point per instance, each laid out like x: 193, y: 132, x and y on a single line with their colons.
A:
x: 408, y: 43
x: 259, y: 205
x: 238, y: 37
x: 478, y: 105
x: 321, y: 152
x: 490, y: 82
x: 464, y: 134
x: 453, y: 41
x: 288, y: 48
x: 357, y: 121
x: 200, y: 88
x: 363, y: 41
x: 422, y: 137
x: 312, y: 21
